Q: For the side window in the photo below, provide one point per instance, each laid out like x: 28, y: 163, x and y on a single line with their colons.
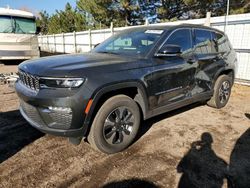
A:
x: 203, y: 42
x: 222, y: 42
x: 214, y: 43
x: 182, y: 38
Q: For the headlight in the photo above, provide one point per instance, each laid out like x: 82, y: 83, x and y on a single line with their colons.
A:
x: 61, y: 82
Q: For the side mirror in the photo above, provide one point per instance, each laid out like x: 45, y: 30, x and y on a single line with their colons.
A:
x: 169, y: 50
x: 38, y: 29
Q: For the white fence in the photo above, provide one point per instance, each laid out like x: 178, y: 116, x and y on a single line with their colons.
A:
x: 238, y: 31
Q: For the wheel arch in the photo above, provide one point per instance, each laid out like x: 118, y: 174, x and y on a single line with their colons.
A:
x: 133, y: 89
x: 223, y: 71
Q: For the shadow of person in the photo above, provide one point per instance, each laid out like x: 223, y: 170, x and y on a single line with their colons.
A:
x: 201, y: 167
x: 240, y: 162
x: 131, y: 183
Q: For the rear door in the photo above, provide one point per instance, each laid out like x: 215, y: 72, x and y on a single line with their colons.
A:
x: 173, y: 76
x: 208, y: 58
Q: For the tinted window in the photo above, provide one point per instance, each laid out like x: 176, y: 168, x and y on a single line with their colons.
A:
x: 182, y: 38
x: 203, y: 42
x: 222, y: 42
x: 214, y: 43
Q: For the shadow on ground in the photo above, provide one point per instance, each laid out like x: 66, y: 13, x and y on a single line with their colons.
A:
x: 247, y: 115
x: 11, y: 62
x: 240, y: 162
x: 131, y: 183
x: 201, y: 167
x: 17, y: 62
x: 15, y: 133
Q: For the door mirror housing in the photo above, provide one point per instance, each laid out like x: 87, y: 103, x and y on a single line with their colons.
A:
x: 169, y: 50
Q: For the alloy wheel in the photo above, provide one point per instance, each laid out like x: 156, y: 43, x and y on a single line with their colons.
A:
x: 118, y: 126
x: 224, y: 91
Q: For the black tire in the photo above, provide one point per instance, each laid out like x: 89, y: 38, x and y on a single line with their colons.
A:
x: 222, y: 92
x: 105, y: 133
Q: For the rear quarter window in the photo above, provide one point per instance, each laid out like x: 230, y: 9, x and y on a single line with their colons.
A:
x: 222, y: 42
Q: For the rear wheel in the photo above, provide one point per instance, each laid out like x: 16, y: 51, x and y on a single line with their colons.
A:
x: 222, y: 92
x: 115, y: 125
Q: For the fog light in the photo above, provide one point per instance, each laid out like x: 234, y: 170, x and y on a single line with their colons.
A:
x: 60, y: 109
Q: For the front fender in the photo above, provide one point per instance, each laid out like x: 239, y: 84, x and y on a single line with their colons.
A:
x: 141, y: 98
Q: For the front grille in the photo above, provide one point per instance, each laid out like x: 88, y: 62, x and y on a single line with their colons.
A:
x: 43, y: 119
x: 62, y: 120
x: 29, y: 80
x: 32, y: 113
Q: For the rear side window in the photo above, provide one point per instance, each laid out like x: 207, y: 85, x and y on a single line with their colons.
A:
x: 223, y: 44
x: 203, y: 42
x: 182, y: 38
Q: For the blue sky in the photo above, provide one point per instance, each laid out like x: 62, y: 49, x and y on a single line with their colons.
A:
x: 37, y: 5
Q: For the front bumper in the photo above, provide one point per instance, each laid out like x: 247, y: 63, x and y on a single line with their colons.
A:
x: 45, y: 109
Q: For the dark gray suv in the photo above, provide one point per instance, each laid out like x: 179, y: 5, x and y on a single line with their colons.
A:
x: 139, y: 73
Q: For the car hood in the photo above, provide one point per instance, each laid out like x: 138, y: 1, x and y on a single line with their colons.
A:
x: 72, y: 65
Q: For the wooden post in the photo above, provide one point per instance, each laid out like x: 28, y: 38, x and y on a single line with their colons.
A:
x: 54, y: 36
x: 47, y: 43
x: 41, y: 43
x: 90, y: 40
x: 227, y: 14
x: 63, y: 43
x: 112, y: 28
x: 75, y: 45
x: 208, y: 19
x: 146, y: 22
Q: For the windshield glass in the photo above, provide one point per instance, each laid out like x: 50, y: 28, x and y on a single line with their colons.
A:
x: 130, y: 43
x: 20, y: 25
x: 5, y: 24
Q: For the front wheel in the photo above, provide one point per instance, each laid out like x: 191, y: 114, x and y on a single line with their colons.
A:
x: 222, y: 92
x: 115, y: 125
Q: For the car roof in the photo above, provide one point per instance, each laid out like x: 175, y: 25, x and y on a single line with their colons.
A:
x: 171, y: 27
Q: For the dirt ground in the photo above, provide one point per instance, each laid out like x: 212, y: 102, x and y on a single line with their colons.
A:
x: 167, y: 146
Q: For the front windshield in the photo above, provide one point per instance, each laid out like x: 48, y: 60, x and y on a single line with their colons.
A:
x: 6, y: 24
x: 130, y: 43
x: 17, y: 25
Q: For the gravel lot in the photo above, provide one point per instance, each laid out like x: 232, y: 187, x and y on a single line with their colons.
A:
x: 169, y: 151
